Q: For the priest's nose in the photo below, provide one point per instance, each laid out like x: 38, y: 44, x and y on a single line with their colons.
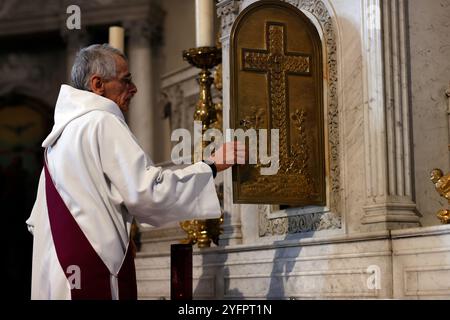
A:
x: 133, y: 89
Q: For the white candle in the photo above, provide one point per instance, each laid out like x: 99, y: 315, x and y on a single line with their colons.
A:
x: 204, y: 23
x: 117, y: 37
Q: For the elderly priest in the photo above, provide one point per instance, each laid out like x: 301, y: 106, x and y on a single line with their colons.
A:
x: 97, y: 179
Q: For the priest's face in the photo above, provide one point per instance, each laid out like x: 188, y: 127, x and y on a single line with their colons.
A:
x: 121, y: 88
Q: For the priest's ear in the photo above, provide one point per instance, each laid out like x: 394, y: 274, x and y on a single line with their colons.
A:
x: 97, y: 85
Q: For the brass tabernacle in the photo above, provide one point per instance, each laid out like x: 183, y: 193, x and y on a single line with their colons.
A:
x: 276, y: 83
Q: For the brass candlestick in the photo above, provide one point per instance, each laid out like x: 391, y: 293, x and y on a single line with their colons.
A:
x: 205, y: 58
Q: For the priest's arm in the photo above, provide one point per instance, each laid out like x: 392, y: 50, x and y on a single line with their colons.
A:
x: 153, y: 195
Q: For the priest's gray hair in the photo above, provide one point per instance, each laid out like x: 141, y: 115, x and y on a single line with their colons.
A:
x: 95, y: 59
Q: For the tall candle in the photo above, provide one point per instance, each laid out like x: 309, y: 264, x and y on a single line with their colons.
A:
x: 116, y: 37
x: 204, y: 23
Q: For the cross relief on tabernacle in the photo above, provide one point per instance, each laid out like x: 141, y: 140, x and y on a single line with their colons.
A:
x: 278, y: 63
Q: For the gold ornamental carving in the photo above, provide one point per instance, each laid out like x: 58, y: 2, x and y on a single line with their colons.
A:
x: 442, y: 185
x: 276, y: 64
x: 441, y: 181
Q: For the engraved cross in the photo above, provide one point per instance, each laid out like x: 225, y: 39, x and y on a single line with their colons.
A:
x: 278, y: 63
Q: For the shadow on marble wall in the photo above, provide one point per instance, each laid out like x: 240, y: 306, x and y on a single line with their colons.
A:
x: 284, y: 262
x: 214, y: 281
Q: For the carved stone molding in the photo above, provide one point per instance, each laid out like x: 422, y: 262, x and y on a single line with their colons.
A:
x: 178, y: 115
x: 294, y: 223
x: 329, y: 221
x: 74, y: 39
x: 23, y: 74
x: 139, y: 32
x: 92, y: 4
x: 13, y: 9
x: 181, y: 90
x: 227, y: 11
x: 271, y: 224
x: 27, y: 16
x: 146, y: 31
x: 20, y: 68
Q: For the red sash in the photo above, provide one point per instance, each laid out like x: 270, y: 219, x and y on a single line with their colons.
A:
x: 76, y: 253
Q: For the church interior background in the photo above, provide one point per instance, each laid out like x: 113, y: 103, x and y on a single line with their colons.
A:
x: 383, y: 125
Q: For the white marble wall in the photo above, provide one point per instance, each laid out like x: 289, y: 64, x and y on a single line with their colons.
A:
x: 430, y: 77
x: 348, y: 17
x: 421, y: 263
x: 333, y: 268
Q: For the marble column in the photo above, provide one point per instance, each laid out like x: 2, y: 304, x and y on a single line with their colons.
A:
x: 227, y: 11
x: 387, y: 119
x: 142, y: 115
x: 75, y: 40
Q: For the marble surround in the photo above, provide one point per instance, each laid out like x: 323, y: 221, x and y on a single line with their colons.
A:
x: 322, y: 18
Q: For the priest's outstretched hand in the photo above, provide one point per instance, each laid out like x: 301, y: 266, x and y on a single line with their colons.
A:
x: 229, y: 154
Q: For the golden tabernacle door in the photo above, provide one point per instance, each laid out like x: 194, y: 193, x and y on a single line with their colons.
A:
x: 277, y: 83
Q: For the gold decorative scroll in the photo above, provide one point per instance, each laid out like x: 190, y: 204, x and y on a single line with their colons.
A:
x: 442, y: 185
x: 276, y: 82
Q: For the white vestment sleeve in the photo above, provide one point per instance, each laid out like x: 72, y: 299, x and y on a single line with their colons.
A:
x: 153, y: 195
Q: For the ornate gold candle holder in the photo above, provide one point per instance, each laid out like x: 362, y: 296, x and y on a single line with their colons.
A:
x: 204, y: 58
x: 203, y: 232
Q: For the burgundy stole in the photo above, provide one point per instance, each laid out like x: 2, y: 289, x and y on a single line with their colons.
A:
x: 76, y: 253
